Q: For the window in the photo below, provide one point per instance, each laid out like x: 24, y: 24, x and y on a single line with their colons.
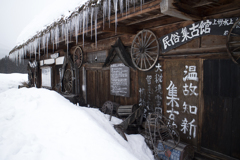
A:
x: 46, y: 77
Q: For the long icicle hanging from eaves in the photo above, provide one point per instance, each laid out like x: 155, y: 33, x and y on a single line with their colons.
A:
x: 73, y: 25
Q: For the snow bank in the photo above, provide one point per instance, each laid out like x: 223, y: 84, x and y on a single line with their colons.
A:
x: 40, y: 124
x: 8, y: 81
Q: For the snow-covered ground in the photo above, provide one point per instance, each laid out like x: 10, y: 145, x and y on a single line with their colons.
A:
x: 8, y: 81
x: 39, y: 124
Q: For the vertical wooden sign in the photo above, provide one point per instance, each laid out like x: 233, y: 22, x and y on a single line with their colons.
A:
x: 182, y: 97
x: 150, y: 89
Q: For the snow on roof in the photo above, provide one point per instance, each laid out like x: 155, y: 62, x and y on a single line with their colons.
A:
x: 71, y: 22
x: 56, y: 14
x: 50, y: 14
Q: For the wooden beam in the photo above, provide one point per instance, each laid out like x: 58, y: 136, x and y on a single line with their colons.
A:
x: 168, y: 8
x: 119, y: 29
x: 223, y: 8
x: 202, y: 3
x: 159, y: 23
x: 146, y: 19
x: 219, y: 55
x: 147, y: 7
x: 196, y: 50
x: 233, y: 13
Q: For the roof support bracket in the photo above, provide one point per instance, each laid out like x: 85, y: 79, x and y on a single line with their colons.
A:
x: 168, y: 8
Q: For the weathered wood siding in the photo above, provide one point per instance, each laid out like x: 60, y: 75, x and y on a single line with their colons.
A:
x: 221, y: 127
x: 98, y: 88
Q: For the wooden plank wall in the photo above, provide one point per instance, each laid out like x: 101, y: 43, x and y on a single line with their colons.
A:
x: 98, y: 88
x: 221, y: 127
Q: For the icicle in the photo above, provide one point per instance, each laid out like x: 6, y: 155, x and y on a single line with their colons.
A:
x: 44, y: 42
x: 29, y: 47
x: 66, y: 34
x: 47, y: 38
x: 23, y: 53
x: 92, y: 10
x: 96, y: 14
x: 69, y: 30
x: 86, y: 19
x: 76, y: 19
x: 56, y: 35
x: 15, y: 58
x: 80, y: 21
x: 104, y: 11
x: 141, y: 2
x: 121, y: 6
x: 52, y: 37
x: 134, y: 4
x: 63, y: 31
x: 39, y: 41
x: 115, y: 2
x: 109, y: 11
x: 126, y: 3
x: 35, y: 45
x: 20, y: 56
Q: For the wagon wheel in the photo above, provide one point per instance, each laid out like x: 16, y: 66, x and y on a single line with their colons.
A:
x: 68, y: 80
x: 233, y: 42
x: 78, y: 57
x: 145, y: 50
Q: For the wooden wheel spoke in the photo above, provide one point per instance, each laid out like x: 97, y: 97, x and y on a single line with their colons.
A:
x: 137, y: 45
x: 151, y: 48
x: 145, y: 38
x: 138, y: 61
x: 236, y: 49
x: 147, y: 60
x: 148, y: 39
x: 149, y: 56
x: 135, y: 48
x: 150, y: 43
x: 67, y: 80
x: 151, y: 52
x: 139, y: 42
x: 136, y: 53
x: 137, y: 56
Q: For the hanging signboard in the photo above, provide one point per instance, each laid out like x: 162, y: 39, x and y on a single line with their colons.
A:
x: 195, y: 30
x: 119, y: 80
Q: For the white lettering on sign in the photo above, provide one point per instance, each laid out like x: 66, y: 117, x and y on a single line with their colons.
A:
x: 119, y: 80
x: 189, y: 126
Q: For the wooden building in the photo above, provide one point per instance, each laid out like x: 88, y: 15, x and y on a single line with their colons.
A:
x: 178, y: 57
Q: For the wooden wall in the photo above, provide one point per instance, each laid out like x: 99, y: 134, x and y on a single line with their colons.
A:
x: 221, y: 127
x: 98, y: 88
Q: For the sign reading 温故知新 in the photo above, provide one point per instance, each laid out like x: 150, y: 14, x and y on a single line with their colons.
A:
x: 119, y: 80
x: 195, y: 30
